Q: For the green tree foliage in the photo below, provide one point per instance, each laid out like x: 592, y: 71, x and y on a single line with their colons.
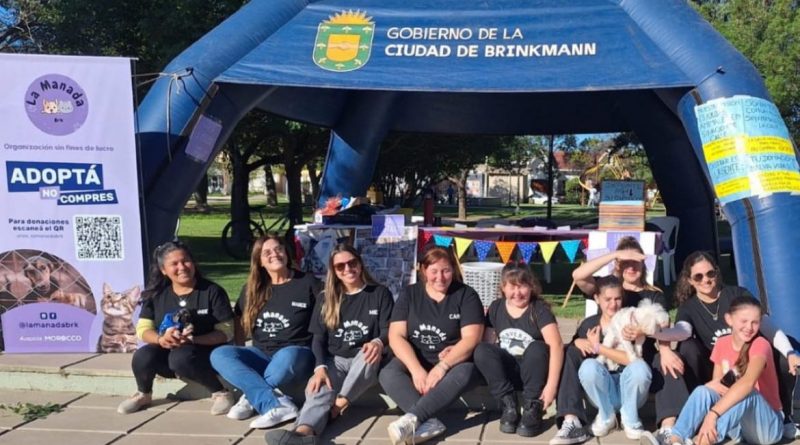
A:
x: 153, y: 31
x: 408, y: 163
x: 768, y: 33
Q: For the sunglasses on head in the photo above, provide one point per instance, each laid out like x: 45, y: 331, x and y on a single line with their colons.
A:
x: 352, y: 264
x: 698, y: 277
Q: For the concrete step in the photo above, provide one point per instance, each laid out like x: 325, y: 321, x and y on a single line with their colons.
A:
x: 110, y: 374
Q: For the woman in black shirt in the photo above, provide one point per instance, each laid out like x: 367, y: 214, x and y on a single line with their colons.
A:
x: 435, y: 326
x: 275, y: 309
x: 524, y: 352
x: 703, y: 300
x: 175, y: 285
x: 351, y: 327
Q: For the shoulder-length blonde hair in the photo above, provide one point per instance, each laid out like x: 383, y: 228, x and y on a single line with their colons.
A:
x: 259, y: 283
x: 631, y: 243
x: 334, y: 289
x: 435, y: 254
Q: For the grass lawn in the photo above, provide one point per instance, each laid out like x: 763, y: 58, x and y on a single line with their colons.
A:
x: 202, y: 232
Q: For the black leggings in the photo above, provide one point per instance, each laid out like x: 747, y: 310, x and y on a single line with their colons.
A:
x: 396, y: 381
x: 189, y: 361
x: 700, y: 369
x: 504, y: 373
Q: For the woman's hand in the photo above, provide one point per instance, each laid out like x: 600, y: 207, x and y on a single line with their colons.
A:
x: 548, y: 396
x: 670, y: 362
x: 631, y: 332
x: 584, y: 346
x: 718, y: 387
x: 794, y: 363
x: 594, y: 337
x: 318, y: 380
x: 419, y: 378
x: 707, y: 435
x: 435, y: 375
x: 372, y: 351
x: 629, y: 255
x: 171, y: 339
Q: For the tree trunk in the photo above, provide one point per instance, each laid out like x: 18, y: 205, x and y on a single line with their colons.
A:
x: 270, y: 189
x: 312, y: 175
x: 240, y: 209
x: 461, y: 186
x: 293, y: 176
x: 201, y: 195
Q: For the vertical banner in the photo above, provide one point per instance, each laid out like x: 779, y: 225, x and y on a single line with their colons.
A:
x: 70, y: 236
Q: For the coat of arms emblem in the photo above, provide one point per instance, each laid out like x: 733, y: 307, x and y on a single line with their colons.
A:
x: 344, y: 41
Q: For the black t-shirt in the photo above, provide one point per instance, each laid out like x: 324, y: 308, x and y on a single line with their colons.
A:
x: 363, y: 316
x: 284, y: 319
x: 586, y: 324
x: 208, y: 303
x: 433, y: 326
x: 701, y: 315
x: 515, y: 334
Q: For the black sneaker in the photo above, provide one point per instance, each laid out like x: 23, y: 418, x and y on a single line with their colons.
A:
x: 510, y: 417
x: 569, y: 434
x: 531, y: 422
x: 286, y: 437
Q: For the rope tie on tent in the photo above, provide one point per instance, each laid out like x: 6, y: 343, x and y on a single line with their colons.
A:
x: 175, y: 78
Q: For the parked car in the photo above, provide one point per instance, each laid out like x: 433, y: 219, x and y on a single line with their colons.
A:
x: 541, y: 198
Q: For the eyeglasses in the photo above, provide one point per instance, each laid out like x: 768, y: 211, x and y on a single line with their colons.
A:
x: 352, y: 264
x: 698, y: 277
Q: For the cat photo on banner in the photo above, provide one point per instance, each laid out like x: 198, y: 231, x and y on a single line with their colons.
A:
x: 119, y: 331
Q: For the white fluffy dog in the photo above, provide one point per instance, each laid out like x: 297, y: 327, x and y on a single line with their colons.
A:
x: 648, y: 316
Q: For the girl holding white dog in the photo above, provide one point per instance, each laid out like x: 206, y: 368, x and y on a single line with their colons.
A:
x: 666, y: 366
x: 521, y: 335
x: 624, y: 391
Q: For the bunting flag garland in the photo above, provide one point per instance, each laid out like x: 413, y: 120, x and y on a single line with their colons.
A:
x: 482, y: 248
x: 585, y: 242
x: 442, y: 241
x: 423, y: 240
x: 571, y: 248
x: 505, y: 249
x: 462, y: 244
x: 547, y: 248
x: 527, y: 250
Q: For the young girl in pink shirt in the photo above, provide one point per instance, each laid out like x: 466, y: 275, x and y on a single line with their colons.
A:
x: 741, y: 401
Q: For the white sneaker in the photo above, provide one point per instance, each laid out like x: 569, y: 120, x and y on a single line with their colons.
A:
x: 138, y: 401
x: 571, y: 432
x: 242, y: 410
x: 281, y: 413
x: 790, y: 431
x: 601, y: 428
x: 223, y: 401
x: 632, y: 433
x: 402, y: 430
x: 661, y: 437
x: 428, y: 430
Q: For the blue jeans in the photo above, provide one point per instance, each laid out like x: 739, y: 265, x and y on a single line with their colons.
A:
x: 752, y: 420
x: 625, y: 391
x: 257, y: 374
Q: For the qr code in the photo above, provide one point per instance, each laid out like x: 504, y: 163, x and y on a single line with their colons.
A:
x: 98, y: 237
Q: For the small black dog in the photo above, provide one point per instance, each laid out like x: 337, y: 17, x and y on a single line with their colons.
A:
x: 180, y: 320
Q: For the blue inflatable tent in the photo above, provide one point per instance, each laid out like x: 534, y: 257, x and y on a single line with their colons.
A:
x: 368, y: 67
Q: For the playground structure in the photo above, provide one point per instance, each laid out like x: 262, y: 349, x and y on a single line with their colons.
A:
x: 369, y: 67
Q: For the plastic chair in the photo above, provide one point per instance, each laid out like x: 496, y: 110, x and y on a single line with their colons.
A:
x: 669, y: 226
